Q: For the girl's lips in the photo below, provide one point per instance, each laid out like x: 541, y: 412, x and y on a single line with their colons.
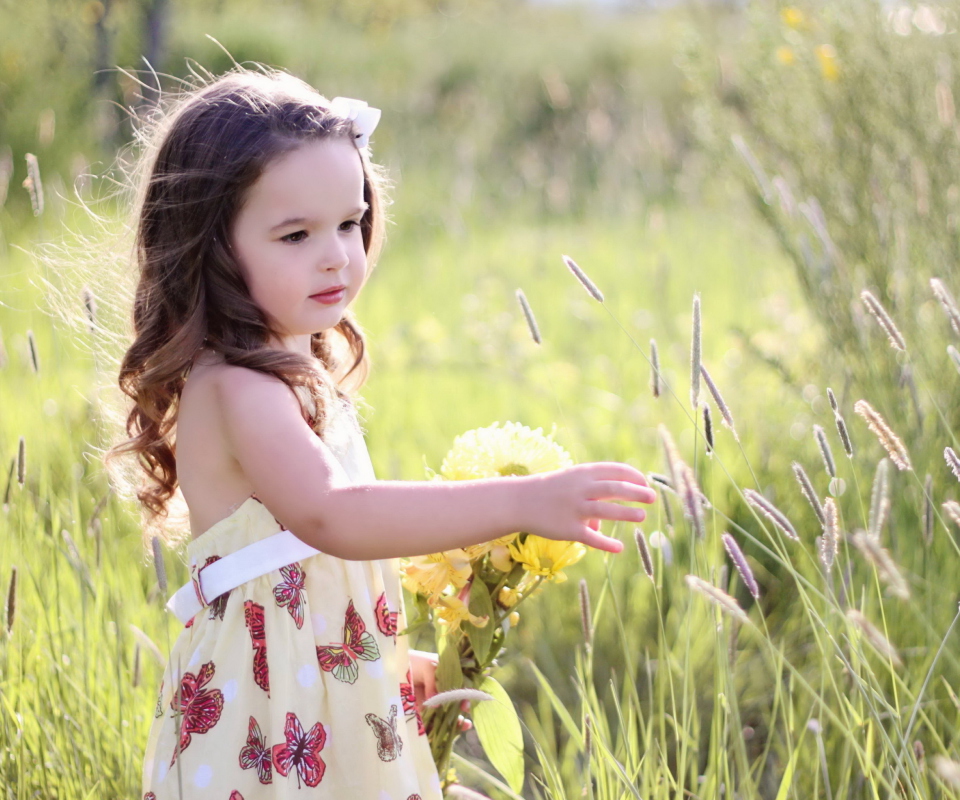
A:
x: 329, y: 298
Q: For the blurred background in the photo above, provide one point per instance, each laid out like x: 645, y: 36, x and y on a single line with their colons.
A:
x: 776, y: 158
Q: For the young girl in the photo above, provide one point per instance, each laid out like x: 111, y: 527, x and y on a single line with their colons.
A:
x: 259, y: 220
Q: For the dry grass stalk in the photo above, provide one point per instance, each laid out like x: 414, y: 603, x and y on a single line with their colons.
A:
x: 695, y: 352
x: 946, y: 300
x: 740, y: 562
x: 159, y: 564
x: 674, y: 462
x: 825, y: 452
x: 33, y: 184
x: 952, y: 509
x: 806, y: 487
x: 21, y: 461
x: 718, y: 597
x: 586, y: 619
x: 880, y: 498
x: 829, y: 542
x: 879, y: 642
x: 928, y: 510
x: 707, y: 427
x: 952, y: 461
x: 11, y: 599
x: 34, y: 357
x: 844, y: 434
x: 887, y: 438
x: 587, y: 284
x: 886, y: 567
x: 774, y: 514
x: 718, y: 399
x: 833, y: 401
x: 457, y: 696
x: 528, y: 315
x: 644, y: 551
x: 693, y: 502
x: 886, y: 322
x: 654, y: 368
x: 751, y: 161
x: 136, y: 665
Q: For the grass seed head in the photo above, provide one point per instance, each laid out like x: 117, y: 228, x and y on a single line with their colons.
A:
x: 21, y: 461
x: 33, y: 184
x: 707, y: 428
x: 886, y: 567
x: 693, y: 502
x: 829, y: 542
x: 887, y: 438
x: 10, y: 471
x: 718, y: 597
x: 588, y: 284
x: 718, y: 399
x: 825, y: 452
x: 946, y: 300
x: 844, y: 434
x: 695, y: 352
x: 806, y: 487
x: 654, y: 368
x: 528, y: 315
x: 877, y: 640
x: 34, y: 356
x: 644, y: 551
x: 952, y: 509
x: 774, y: 514
x: 886, y: 322
x: 833, y: 401
x: 880, y: 498
x: 952, y: 461
x: 11, y: 599
x: 586, y: 619
x: 740, y: 562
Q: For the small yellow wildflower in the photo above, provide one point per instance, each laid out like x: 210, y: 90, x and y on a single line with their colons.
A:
x: 508, y: 597
x: 827, y: 56
x: 452, y: 610
x: 547, y: 557
x: 514, y: 618
x: 495, y: 451
x: 785, y: 55
x: 476, y: 551
x: 793, y: 17
x: 430, y: 575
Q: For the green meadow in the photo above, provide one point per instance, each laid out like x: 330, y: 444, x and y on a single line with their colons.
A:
x: 515, y: 136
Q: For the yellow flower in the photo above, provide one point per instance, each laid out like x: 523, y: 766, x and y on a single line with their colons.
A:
x: 785, y: 55
x: 514, y: 618
x: 793, y: 17
x: 827, y: 56
x: 476, y: 551
x: 508, y: 597
x: 500, y: 556
x: 513, y: 449
x: 452, y: 610
x: 430, y: 575
x: 547, y: 557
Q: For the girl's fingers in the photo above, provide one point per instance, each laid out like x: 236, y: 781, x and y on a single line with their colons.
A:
x: 618, y: 471
x: 603, y: 510
x: 592, y: 538
x: 594, y: 523
x: 623, y: 490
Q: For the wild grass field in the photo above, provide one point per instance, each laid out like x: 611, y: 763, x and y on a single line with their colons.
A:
x: 838, y: 673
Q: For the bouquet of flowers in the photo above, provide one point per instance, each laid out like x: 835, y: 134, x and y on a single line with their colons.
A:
x: 469, y: 598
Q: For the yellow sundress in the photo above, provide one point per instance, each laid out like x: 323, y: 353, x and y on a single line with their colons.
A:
x: 294, y: 684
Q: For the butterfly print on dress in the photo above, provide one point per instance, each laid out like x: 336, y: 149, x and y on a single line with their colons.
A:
x: 149, y: 796
x: 386, y: 619
x: 200, y: 708
x: 218, y: 605
x: 256, y: 755
x: 409, y: 699
x: 235, y: 795
x: 289, y: 592
x: 302, y: 751
x: 388, y: 740
x: 358, y: 643
x: 253, y: 616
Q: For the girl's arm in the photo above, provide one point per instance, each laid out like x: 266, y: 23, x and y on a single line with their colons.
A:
x: 303, y: 485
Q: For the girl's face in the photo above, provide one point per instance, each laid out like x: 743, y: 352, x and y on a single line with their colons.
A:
x: 298, y: 235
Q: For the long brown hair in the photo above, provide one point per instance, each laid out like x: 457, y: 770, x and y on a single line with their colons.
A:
x: 203, y: 152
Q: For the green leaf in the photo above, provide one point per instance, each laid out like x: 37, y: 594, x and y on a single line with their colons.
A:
x: 449, y: 675
x: 481, y: 605
x: 498, y: 728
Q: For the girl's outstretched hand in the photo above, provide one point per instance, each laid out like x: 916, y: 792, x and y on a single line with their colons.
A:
x: 423, y: 669
x: 568, y: 504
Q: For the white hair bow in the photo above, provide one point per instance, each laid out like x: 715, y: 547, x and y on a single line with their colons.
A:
x: 363, y: 116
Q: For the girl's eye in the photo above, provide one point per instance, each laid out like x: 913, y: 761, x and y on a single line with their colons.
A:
x: 288, y: 239
x: 350, y: 223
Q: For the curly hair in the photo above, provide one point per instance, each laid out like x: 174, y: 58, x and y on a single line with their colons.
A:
x: 203, y: 153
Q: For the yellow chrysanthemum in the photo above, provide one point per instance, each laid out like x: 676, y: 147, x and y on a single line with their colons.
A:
x: 430, y: 575
x: 547, y: 557
x: 513, y: 449
x: 827, y: 56
x: 453, y: 611
x: 793, y: 17
x: 786, y: 56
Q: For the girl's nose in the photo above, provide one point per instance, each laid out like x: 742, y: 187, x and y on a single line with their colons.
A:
x: 334, y: 256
